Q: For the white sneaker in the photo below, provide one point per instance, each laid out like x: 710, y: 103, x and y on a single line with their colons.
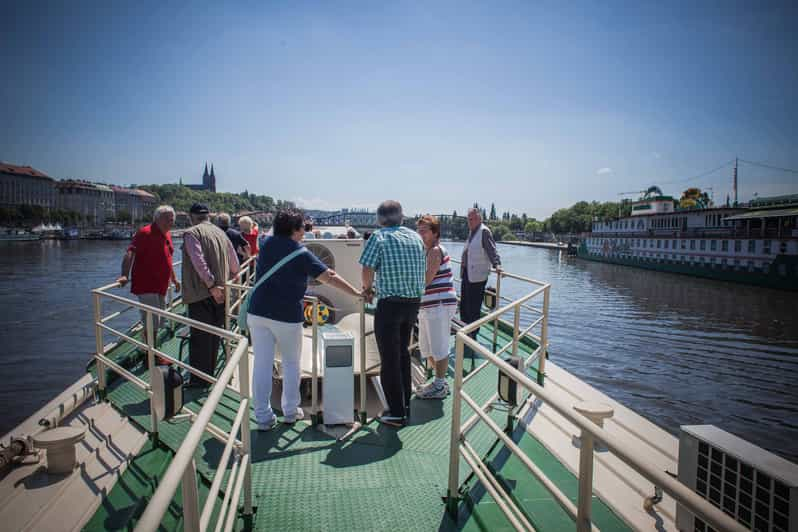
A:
x: 290, y: 420
x: 433, y: 390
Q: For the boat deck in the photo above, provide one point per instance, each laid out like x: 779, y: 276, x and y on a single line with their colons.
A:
x: 379, y: 478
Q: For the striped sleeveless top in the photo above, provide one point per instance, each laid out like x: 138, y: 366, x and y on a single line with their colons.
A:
x: 441, y: 290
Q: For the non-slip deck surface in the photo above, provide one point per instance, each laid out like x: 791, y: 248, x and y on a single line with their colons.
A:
x: 378, y: 479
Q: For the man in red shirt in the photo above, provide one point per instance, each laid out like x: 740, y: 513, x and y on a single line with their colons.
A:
x: 150, y: 254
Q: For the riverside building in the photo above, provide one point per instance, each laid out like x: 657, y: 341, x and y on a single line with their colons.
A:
x: 24, y: 185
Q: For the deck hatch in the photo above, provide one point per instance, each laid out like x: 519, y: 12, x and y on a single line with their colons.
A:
x: 750, y: 484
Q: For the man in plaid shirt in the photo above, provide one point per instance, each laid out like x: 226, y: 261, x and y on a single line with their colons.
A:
x: 396, y: 255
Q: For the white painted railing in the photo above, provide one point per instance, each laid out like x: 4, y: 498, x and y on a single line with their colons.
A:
x: 182, y: 471
x: 590, y: 432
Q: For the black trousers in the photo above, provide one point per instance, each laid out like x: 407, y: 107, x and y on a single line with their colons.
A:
x: 203, y: 346
x: 393, y: 325
x: 471, y: 296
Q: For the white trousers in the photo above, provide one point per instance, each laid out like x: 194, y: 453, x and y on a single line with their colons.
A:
x: 266, y: 336
x: 434, y: 330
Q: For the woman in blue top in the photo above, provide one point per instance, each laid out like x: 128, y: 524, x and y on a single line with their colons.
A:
x: 275, y: 315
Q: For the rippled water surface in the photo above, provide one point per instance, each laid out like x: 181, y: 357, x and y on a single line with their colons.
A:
x: 677, y: 349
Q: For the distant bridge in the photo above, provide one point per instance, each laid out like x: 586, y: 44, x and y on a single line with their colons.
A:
x: 355, y: 218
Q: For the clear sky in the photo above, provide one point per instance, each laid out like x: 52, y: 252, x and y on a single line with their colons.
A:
x: 533, y: 105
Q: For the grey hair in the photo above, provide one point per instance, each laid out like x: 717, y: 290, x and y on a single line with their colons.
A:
x: 223, y: 219
x: 389, y: 213
x: 245, y: 220
x: 474, y: 210
x: 162, y: 211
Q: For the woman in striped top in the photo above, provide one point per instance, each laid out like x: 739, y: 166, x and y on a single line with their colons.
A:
x: 438, y: 307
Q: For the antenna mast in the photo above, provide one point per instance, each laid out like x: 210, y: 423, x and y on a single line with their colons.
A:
x: 734, y: 182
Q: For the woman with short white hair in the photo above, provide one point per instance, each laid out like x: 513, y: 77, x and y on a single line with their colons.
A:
x: 249, y: 230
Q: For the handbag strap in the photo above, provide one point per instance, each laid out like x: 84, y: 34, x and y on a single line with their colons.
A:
x: 282, y: 262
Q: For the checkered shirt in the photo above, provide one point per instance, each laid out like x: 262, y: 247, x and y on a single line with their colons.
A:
x: 397, y: 255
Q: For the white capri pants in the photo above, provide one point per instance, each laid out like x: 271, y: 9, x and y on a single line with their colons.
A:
x: 267, y: 334
x: 434, y: 326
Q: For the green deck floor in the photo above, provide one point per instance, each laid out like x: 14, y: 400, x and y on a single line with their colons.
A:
x: 378, y: 479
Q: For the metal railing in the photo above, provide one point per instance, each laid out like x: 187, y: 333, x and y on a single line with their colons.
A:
x: 590, y: 432
x: 182, y: 470
x: 236, y: 291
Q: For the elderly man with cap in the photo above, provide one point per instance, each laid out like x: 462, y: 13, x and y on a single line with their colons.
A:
x: 209, y: 260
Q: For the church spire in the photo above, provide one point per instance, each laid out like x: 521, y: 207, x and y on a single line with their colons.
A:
x: 205, y: 173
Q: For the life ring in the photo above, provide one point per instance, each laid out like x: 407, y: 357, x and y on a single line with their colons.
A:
x: 324, y: 315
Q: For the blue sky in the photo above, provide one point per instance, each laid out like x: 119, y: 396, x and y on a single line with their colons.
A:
x: 532, y: 105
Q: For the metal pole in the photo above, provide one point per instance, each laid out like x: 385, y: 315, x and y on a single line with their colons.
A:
x: 152, y: 371
x: 498, y: 304
x: 98, y: 344
x: 227, y: 321
x: 516, y: 328
x: 315, y: 376
x: 169, y: 297
x: 585, y: 482
x: 452, y: 495
x: 191, y: 516
x: 544, y: 336
x: 363, y: 415
x: 243, y: 387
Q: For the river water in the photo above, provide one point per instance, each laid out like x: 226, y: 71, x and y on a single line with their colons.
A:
x: 679, y: 350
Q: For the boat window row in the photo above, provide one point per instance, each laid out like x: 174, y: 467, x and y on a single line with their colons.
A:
x: 714, y: 262
x: 701, y: 244
x: 714, y: 220
x: 666, y: 223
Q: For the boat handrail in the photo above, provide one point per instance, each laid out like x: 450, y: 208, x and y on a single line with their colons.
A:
x: 590, y: 432
x: 182, y: 469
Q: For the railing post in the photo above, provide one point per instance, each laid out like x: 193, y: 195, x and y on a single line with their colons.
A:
x: 452, y: 493
x: 98, y: 343
x: 544, y: 336
x: 516, y: 328
x: 363, y: 413
x: 150, y: 332
x: 244, y: 392
x: 227, y: 290
x: 191, y: 514
x: 314, y: 380
x: 584, y: 503
x: 498, y: 305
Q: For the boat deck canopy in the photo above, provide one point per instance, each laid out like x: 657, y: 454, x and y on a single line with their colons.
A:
x: 765, y: 213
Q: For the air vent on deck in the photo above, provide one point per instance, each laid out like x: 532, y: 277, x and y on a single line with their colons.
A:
x: 752, y: 485
x: 324, y: 255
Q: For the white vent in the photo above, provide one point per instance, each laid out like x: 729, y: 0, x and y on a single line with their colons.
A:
x: 752, y: 485
x: 324, y: 255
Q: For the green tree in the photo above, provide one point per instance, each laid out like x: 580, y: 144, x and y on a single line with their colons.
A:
x: 492, y: 211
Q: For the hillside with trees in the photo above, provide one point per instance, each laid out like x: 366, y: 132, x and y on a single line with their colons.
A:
x: 577, y: 218
x: 181, y: 198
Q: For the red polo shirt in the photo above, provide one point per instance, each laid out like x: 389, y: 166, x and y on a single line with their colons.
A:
x: 152, y: 263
